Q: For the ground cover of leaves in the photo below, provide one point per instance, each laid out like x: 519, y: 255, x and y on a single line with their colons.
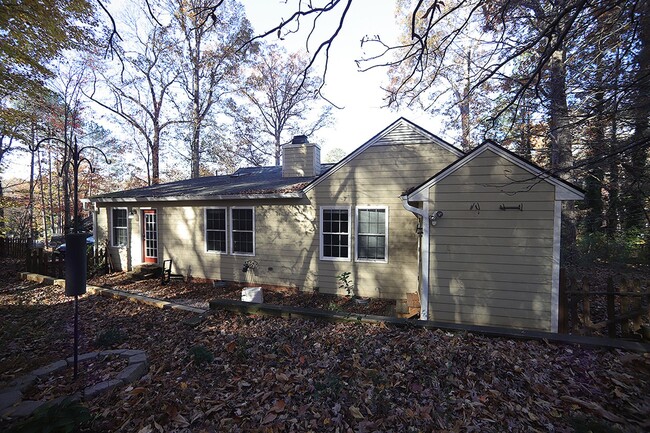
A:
x: 199, y: 292
x: 275, y: 375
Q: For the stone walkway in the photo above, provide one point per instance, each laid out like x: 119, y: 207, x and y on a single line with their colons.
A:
x: 12, y: 404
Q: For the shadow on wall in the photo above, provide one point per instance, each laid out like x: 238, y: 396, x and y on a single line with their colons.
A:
x: 490, y: 266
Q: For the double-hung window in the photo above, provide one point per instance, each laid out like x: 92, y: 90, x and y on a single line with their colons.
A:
x: 335, y: 233
x: 119, y: 221
x: 372, y: 229
x: 215, y: 230
x: 242, y: 233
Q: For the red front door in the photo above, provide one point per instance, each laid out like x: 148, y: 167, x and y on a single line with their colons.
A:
x: 150, y: 236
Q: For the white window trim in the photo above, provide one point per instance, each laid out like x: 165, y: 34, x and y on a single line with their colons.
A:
x: 112, y: 233
x: 320, y: 236
x: 230, y: 231
x: 205, y: 228
x: 356, y: 235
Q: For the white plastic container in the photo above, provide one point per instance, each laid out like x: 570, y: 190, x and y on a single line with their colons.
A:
x: 252, y: 294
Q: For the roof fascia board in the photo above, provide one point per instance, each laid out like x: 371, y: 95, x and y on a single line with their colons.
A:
x: 290, y: 195
x: 390, y: 128
x: 563, y: 191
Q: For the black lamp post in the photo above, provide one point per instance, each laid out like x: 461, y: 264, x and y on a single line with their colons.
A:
x: 75, y: 263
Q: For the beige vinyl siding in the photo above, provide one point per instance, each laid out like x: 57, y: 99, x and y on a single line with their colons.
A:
x: 284, y: 243
x: 377, y: 177
x: 489, y: 266
x: 120, y: 256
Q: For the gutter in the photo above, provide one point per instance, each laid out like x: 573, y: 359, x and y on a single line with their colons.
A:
x: 289, y: 195
x: 424, y: 254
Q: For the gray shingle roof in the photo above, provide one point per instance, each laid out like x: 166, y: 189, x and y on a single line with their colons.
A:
x: 249, y: 181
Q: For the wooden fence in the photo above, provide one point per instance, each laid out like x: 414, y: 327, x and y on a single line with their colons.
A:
x: 43, y: 262
x: 616, y: 309
x: 13, y: 247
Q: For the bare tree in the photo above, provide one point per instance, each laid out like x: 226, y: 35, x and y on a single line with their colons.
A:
x: 141, y: 91
x: 210, y: 62
x: 275, y: 103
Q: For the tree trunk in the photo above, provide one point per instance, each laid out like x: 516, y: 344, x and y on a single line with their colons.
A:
x: 43, y: 208
x: 465, y: 107
x: 561, y: 155
x: 278, y: 149
x: 155, y: 156
x: 594, y: 179
x: 30, y: 208
x: 635, y: 215
x: 195, y: 146
x: 2, y: 211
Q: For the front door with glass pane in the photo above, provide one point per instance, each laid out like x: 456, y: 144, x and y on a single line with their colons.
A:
x: 150, y: 236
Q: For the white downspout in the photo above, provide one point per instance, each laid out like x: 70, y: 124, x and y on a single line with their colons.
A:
x: 424, y: 254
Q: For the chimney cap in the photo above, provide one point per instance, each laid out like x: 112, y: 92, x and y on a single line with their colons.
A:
x: 300, y: 139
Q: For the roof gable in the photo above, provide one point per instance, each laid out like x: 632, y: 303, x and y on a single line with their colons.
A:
x: 563, y: 189
x: 396, y: 132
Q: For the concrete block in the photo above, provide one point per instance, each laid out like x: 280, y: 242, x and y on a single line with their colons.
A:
x: 132, y: 373
x: 9, y: 397
x: 22, y: 383
x: 131, y: 352
x: 101, y: 387
x: 24, y: 409
x: 83, y: 357
x: 51, y: 368
x: 142, y: 357
x: 112, y: 352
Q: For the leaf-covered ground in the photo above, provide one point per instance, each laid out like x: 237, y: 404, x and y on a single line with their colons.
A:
x: 199, y: 292
x: 274, y: 374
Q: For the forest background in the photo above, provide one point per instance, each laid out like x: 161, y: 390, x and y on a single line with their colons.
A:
x: 173, y: 89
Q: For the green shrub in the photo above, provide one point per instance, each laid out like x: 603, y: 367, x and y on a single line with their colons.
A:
x: 65, y: 417
x: 201, y: 355
x: 627, y: 247
x: 110, y: 338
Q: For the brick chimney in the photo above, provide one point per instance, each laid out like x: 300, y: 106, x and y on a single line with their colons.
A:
x: 300, y: 158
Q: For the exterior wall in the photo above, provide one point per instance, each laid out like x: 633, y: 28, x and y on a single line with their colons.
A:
x: 489, y: 266
x: 119, y: 255
x: 377, y: 177
x: 284, y: 243
x: 287, y: 231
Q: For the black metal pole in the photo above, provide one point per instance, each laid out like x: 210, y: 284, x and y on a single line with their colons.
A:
x: 75, y: 216
x: 76, y: 334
